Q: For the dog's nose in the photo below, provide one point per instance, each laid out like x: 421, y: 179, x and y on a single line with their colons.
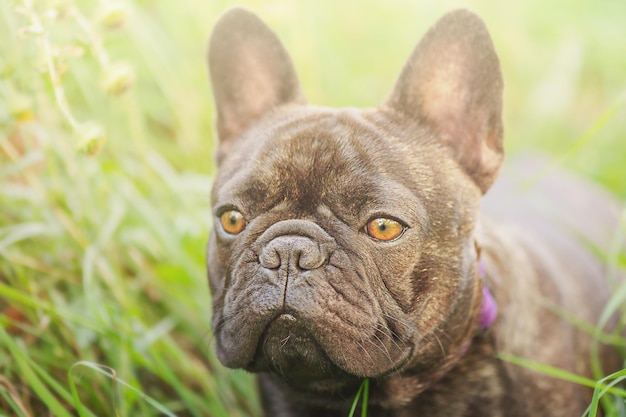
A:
x: 294, y: 252
x: 295, y: 244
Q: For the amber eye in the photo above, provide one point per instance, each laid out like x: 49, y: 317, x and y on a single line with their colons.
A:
x: 384, y: 229
x: 232, y: 222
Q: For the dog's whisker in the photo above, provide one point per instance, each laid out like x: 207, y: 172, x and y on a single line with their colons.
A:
x: 443, y: 350
x: 381, y: 346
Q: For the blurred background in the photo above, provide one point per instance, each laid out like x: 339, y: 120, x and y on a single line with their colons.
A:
x: 106, y: 142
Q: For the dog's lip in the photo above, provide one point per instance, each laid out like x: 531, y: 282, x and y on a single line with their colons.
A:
x: 284, y: 316
x: 280, y: 316
x: 399, y: 367
x: 290, y: 318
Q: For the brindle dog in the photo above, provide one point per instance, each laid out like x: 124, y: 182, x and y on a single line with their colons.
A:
x: 351, y: 244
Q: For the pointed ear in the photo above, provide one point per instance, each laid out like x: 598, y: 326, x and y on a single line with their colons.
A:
x: 251, y: 72
x: 453, y: 83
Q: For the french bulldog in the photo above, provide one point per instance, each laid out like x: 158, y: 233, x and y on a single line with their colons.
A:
x: 352, y: 244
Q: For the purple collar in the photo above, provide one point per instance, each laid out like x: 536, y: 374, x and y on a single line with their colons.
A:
x: 489, y: 309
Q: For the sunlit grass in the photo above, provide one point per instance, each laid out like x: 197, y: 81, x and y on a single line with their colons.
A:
x: 105, y: 170
x: 602, y: 387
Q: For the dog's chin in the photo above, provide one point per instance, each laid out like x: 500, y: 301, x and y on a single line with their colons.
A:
x: 289, y: 350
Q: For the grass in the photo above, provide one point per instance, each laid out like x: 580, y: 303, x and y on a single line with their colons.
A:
x: 362, y: 396
x: 105, y: 169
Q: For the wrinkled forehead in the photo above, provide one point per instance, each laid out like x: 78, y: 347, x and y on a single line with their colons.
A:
x: 314, y: 159
x: 322, y: 145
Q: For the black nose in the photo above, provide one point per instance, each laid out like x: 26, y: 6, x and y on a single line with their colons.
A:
x: 294, y: 252
x: 299, y: 245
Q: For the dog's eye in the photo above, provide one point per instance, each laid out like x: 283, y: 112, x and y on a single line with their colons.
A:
x: 384, y: 229
x: 232, y: 222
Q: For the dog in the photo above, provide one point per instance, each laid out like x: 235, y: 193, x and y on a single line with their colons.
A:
x: 355, y: 244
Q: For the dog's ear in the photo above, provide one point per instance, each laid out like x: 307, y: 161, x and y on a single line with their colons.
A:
x: 251, y: 72
x: 453, y: 83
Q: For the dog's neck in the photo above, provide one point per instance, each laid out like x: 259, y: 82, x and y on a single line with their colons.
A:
x: 403, y: 388
x: 489, y: 307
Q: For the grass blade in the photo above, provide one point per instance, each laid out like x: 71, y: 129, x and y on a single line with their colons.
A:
x: 109, y: 372
x: 559, y: 373
x: 366, y: 397
x: 363, y: 392
x: 30, y: 376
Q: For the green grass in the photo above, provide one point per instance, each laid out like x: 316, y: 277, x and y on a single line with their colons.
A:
x: 105, y: 169
x: 362, y: 396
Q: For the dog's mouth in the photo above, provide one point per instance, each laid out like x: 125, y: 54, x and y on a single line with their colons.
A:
x: 290, y: 349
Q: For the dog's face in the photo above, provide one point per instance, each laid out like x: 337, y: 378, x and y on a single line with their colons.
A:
x: 342, y: 246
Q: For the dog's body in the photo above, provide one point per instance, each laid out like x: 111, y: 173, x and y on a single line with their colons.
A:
x: 348, y: 243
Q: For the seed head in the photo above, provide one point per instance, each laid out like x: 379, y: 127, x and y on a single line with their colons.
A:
x: 90, y: 138
x: 117, y: 78
x: 113, y: 15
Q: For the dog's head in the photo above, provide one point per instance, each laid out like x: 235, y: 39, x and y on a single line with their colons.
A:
x: 343, y: 239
